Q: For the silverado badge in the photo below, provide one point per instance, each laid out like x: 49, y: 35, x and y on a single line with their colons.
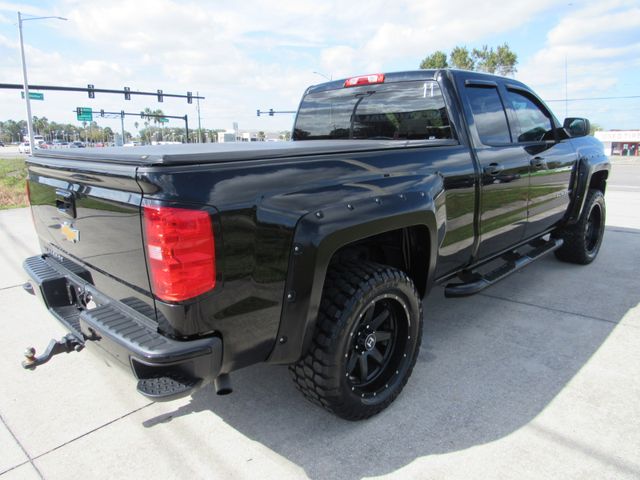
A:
x: 70, y: 234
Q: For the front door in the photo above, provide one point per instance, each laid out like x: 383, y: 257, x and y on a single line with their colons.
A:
x: 504, y: 170
x: 552, y: 161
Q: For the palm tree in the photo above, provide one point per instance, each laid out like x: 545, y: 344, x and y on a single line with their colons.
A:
x: 147, y: 115
x: 156, y: 120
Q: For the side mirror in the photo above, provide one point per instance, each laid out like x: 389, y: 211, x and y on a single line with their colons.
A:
x: 577, y: 127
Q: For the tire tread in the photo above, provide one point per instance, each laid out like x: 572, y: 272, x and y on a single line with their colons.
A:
x: 315, y: 374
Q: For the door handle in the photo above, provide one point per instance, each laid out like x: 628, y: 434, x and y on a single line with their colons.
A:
x: 493, y: 169
x: 539, y: 162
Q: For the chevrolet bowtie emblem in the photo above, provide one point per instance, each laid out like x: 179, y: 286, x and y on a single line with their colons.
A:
x: 70, y: 234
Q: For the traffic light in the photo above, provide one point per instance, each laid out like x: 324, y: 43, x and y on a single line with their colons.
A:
x: 271, y: 112
x: 127, y: 94
x: 102, y: 112
x: 258, y: 113
x: 142, y: 115
x: 160, y: 98
x: 90, y: 90
x: 78, y: 111
x: 189, y: 97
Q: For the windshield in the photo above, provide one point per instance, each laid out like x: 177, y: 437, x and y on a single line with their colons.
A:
x: 392, y: 111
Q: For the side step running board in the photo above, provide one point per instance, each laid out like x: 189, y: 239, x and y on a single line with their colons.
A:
x: 475, y: 282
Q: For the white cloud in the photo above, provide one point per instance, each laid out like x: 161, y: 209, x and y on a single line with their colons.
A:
x: 590, y: 48
x: 601, y: 21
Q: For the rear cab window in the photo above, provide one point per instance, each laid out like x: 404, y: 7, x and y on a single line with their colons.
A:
x: 489, y: 115
x: 413, y: 110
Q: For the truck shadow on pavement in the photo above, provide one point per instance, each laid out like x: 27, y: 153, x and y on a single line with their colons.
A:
x: 489, y: 365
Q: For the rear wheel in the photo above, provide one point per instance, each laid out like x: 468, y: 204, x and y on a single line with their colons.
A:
x: 583, y: 239
x: 366, y: 341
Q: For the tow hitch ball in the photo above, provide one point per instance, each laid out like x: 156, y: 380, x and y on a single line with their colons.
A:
x: 66, y: 344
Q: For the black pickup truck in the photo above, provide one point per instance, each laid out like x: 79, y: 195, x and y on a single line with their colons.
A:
x: 185, y: 263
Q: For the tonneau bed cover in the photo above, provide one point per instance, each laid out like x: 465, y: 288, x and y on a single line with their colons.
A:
x: 150, y: 155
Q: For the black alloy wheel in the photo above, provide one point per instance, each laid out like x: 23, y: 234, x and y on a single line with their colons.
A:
x: 366, y: 341
x: 378, y: 345
x: 583, y: 239
x: 594, y: 229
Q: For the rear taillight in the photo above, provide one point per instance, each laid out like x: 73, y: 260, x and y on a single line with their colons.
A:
x: 364, y: 80
x: 181, y: 252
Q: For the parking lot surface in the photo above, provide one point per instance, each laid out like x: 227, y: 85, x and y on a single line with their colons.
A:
x: 536, y: 377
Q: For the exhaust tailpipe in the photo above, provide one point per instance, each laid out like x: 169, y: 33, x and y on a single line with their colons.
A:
x: 222, y: 384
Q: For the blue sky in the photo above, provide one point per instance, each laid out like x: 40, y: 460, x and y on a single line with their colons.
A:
x: 260, y: 54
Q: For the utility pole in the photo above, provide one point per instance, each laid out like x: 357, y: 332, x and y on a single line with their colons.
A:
x: 566, y: 88
x: 124, y: 140
x: 199, y: 126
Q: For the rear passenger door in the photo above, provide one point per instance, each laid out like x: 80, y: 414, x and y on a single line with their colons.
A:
x: 504, y: 169
x: 551, y: 160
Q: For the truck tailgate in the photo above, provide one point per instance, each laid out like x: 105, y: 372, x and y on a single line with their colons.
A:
x: 89, y: 213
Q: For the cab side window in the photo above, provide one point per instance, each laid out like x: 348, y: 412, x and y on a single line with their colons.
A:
x: 489, y: 115
x: 533, y: 123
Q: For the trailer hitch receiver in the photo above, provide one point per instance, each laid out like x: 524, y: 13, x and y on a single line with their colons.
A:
x: 66, y: 344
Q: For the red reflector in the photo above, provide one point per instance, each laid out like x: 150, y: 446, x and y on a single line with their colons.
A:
x: 181, y: 251
x: 364, y: 80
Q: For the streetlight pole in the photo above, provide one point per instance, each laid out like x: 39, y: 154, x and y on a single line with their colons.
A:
x: 24, y: 76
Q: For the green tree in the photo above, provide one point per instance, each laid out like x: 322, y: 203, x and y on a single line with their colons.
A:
x: 435, y: 60
x: 461, y: 58
x: 147, y: 115
x: 285, y: 135
x: 108, y: 134
x: 12, y: 130
x: 158, y: 114
x: 501, y: 60
x: 506, y: 60
x: 40, y: 125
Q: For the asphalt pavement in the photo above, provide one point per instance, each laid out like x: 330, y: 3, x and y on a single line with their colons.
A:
x: 536, y: 377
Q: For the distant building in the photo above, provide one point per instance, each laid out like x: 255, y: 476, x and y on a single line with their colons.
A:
x: 620, y: 142
x: 228, y: 136
x: 249, y: 137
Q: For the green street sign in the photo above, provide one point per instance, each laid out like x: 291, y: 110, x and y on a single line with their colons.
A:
x: 34, y: 95
x: 163, y: 120
x: 84, y: 114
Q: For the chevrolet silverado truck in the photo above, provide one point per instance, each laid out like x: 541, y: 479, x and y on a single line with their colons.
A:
x: 185, y: 263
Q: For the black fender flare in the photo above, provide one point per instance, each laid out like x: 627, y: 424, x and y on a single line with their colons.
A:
x: 319, y: 234
x: 589, y: 163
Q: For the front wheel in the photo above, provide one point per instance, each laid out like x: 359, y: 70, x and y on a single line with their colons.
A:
x: 366, y: 341
x: 583, y: 239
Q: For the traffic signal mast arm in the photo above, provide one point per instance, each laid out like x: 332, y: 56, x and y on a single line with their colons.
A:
x: 271, y: 112
x: 91, y: 91
x: 102, y: 113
